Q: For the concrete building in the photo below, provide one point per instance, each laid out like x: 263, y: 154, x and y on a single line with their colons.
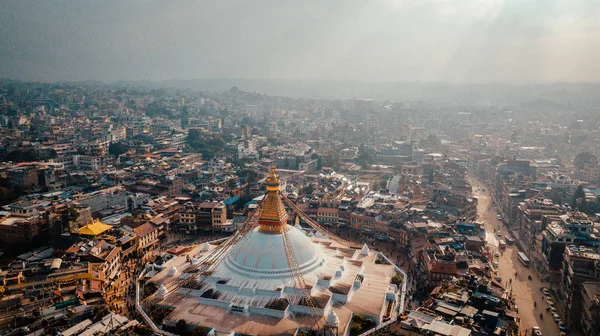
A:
x: 579, y: 265
x: 590, y: 324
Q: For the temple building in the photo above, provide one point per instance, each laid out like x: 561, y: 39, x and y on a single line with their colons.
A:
x: 258, y: 288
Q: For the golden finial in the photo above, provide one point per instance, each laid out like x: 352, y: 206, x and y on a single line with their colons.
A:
x: 273, y: 180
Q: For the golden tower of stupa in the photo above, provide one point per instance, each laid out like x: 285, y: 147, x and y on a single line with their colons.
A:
x: 273, y: 217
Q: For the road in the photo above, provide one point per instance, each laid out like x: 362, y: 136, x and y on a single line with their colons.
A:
x: 525, y: 291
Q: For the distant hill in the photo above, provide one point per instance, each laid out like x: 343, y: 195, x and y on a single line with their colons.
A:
x: 568, y: 94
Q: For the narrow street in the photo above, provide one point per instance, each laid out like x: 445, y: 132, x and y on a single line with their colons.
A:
x: 525, y: 291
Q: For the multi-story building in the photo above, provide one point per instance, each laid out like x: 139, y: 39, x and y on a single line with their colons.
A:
x: 590, y: 324
x: 368, y: 224
x: 204, y: 216
x: 147, y: 236
x: 328, y: 216
x: 36, y: 174
x: 439, y: 266
x: 591, y: 172
x: 104, y: 259
x: 579, y: 265
x: 92, y: 163
x: 111, y: 198
x: 211, y: 215
x: 562, y: 231
x: 187, y: 218
x: 17, y: 230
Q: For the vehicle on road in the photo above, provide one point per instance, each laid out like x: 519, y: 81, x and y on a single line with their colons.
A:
x: 523, y: 259
x: 536, y: 331
x: 499, y: 217
x: 545, y: 291
x: 497, y: 255
x: 509, y: 240
x: 499, y: 233
x: 502, y: 244
x: 495, y: 264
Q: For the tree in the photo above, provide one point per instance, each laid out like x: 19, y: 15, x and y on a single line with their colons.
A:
x: 19, y: 155
x: 332, y: 159
x: 434, y: 141
x: 117, y: 148
x: 181, y: 327
x: 308, y: 190
x: 397, y: 280
x: 578, y: 201
x: 207, y: 144
x: 200, y: 331
x: 149, y: 289
x: 582, y: 158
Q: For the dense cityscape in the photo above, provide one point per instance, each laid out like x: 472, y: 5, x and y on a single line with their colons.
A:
x: 138, y: 210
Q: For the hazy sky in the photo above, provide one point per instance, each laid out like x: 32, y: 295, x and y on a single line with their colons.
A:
x: 372, y: 40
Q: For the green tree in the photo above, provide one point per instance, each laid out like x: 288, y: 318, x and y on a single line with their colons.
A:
x: 582, y: 158
x: 434, y: 141
x: 117, y: 148
x: 207, y: 144
x: 181, y: 328
x: 149, y: 289
x: 397, y: 280
x: 332, y: 159
x: 578, y: 201
x: 200, y: 331
x: 19, y: 155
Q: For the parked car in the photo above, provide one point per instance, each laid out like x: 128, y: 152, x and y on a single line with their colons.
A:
x: 545, y: 291
x: 562, y: 327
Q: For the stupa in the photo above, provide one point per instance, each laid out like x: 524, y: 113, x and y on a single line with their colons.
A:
x: 254, y: 290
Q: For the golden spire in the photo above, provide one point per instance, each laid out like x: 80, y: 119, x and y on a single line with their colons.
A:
x: 273, y: 217
x: 273, y: 180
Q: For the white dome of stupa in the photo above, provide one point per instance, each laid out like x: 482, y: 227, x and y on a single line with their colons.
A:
x: 172, y: 271
x: 205, y: 247
x: 262, y: 254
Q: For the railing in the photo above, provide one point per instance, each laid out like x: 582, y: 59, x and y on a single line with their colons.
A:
x: 141, y: 311
x: 402, y: 299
